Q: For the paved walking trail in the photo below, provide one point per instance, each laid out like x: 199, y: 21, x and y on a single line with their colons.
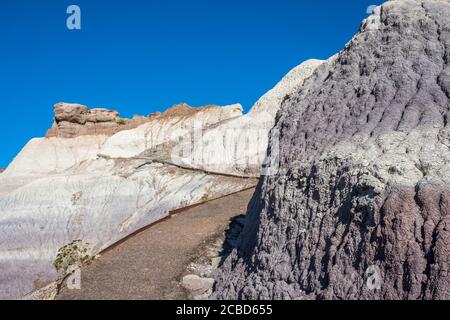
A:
x: 149, y: 264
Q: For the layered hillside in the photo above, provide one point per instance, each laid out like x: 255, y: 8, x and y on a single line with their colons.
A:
x: 97, y: 178
x: 238, y: 146
x: 360, y: 206
x: 61, y: 189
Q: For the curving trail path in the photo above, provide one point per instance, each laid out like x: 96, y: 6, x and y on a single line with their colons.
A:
x: 150, y: 263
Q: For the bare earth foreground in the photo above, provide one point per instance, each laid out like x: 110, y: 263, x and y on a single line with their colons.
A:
x: 150, y: 264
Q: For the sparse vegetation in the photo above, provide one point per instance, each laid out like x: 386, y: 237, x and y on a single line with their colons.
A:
x: 71, y: 256
x: 205, y: 197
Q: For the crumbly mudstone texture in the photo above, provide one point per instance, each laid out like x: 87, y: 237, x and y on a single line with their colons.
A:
x: 364, y: 185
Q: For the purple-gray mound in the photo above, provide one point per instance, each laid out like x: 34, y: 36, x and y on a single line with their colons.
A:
x: 361, y: 206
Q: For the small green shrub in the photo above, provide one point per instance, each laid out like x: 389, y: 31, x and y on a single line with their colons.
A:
x: 205, y: 197
x: 72, y: 255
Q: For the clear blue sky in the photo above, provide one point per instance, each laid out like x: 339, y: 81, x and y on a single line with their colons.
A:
x: 141, y: 56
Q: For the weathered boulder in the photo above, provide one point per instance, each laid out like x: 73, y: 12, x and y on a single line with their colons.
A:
x: 198, y: 287
x: 360, y: 206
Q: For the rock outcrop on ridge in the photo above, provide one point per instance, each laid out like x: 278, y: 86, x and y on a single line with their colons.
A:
x: 73, y: 120
x: 360, y: 207
x: 97, y: 178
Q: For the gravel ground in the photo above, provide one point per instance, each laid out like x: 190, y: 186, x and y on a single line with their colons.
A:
x: 151, y: 263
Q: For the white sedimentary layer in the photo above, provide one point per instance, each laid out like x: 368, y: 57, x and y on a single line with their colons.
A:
x: 133, y: 142
x: 420, y: 156
x: 53, y: 155
x: 100, y: 202
x: 99, y: 189
x: 271, y: 101
x: 58, y: 190
x: 238, y: 146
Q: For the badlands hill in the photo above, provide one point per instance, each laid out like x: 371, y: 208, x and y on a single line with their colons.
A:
x: 360, y: 207
x: 97, y: 178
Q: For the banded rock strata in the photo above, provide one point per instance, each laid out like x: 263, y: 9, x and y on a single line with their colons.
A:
x: 74, y: 120
x: 60, y: 189
x: 360, y: 207
x: 97, y: 178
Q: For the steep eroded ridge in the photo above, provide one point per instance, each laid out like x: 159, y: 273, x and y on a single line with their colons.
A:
x: 364, y: 187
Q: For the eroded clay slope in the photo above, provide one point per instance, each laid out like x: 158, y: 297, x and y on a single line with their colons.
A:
x: 96, y: 177
x: 61, y: 188
x: 363, y: 192
x: 238, y: 146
